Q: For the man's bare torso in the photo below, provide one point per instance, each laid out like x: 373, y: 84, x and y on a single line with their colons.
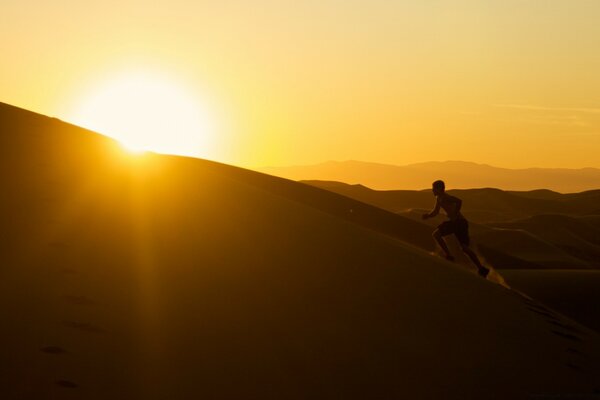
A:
x: 450, y: 204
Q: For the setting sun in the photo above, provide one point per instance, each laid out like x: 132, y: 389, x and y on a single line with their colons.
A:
x: 147, y: 112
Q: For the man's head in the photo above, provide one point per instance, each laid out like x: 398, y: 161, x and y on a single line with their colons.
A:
x: 438, y: 187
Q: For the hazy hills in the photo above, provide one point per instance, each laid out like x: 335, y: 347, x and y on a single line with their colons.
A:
x: 457, y: 174
x: 167, y: 277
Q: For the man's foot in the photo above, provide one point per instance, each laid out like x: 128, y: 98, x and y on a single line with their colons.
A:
x: 449, y: 257
x: 483, y: 272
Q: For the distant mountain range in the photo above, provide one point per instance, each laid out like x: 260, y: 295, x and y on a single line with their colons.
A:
x: 457, y: 174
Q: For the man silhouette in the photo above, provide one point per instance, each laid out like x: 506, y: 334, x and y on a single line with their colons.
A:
x: 457, y: 224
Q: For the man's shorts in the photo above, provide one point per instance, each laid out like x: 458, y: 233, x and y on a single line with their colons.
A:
x: 458, y: 227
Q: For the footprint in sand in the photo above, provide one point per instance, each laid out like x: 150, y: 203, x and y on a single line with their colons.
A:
x: 566, y: 336
x: 541, y: 311
x: 53, y: 350
x: 564, y: 326
x: 573, y: 366
x: 68, y: 271
x: 83, y: 326
x: 79, y: 300
x: 66, y: 384
x: 574, y: 351
x: 58, y: 245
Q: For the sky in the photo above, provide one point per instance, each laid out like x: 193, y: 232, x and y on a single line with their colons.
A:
x: 511, y: 83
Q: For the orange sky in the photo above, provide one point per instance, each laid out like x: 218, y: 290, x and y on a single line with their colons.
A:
x: 512, y: 83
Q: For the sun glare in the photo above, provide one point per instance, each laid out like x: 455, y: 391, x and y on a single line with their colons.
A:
x: 148, y: 112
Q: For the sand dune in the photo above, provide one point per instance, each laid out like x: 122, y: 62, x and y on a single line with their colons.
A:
x: 574, y: 236
x: 549, y: 226
x: 162, y: 277
x: 592, y: 219
x: 526, y: 246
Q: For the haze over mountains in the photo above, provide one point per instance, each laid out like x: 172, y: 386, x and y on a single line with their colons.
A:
x: 457, y: 174
x: 168, y: 277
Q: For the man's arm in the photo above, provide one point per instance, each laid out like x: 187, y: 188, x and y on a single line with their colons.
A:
x: 435, y: 211
x: 456, y: 205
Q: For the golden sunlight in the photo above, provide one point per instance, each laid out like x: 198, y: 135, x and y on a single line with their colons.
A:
x: 148, y: 112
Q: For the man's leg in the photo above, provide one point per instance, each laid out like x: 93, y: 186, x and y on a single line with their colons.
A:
x: 483, y: 271
x: 467, y: 250
x: 437, y: 235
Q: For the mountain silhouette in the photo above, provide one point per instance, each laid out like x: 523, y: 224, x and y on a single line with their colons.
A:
x: 457, y: 174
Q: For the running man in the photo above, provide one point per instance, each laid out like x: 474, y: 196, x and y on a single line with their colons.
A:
x: 456, y: 224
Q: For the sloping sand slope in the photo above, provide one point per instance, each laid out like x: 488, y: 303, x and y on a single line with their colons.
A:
x: 169, y: 278
x: 570, y: 292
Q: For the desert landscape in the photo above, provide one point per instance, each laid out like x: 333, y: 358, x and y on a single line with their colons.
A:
x: 256, y: 200
x: 154, y: 276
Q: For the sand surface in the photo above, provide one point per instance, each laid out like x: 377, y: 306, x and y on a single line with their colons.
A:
x: 162, y: 277
x: 571, y: 292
